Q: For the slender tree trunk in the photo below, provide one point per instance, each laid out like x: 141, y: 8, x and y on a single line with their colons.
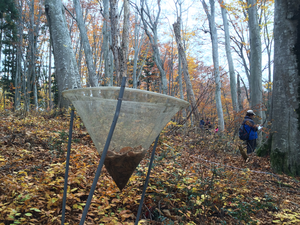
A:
x: 189, y: 88
x: 239, y: 93
x: 50, y: 79
x: 214, y: 39
x: 285, y: 114
x: 230, y: 61
x: 35, y: 37
x: 111, y: 65
x: 152, y: 24
x: 105, y: 44
x: 93, y: 79
x: 171, y: 64
x: 24, y: 85
x: 269, y: 44
x: 125, y: 40
x: 31, y: 72
x: 181, y: 88
x: 19, y: 65
x: 107, y: 41
x: 28, y: 76
x: 137, y: 48
x: 114, y: 21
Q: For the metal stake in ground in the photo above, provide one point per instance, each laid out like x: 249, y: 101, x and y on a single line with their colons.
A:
x: 146, y: 182
x: 67, y: 169
x: 111, y: 131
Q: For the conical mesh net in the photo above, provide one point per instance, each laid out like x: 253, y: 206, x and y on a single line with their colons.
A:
x: 142, y: 116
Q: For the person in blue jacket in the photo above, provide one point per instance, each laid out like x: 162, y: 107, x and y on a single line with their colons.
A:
x: 201, y: 125
x: 251, y: 128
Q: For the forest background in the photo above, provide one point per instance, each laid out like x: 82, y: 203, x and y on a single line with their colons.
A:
x: 199, y: 51
x: 195, y: 37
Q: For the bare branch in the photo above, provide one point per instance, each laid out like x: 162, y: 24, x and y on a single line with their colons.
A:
x: 70, y: 13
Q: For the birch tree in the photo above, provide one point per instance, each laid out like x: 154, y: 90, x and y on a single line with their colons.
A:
x: 150, y: 24
x: 138, y: 42
x: 30, y: 55
x: 119, y: 49
x: 255, y: 58
x: 50, y: 104
x: 108, y: 63
x: 214, y: 39
x: 35, y: 29
x: 32, y: 45
x: 233, y: 87
x: 19, y: 58
x: 285, y: 115
x: 66, y: 73
x: 93, y: 78
x: 189, y: 87
x: 268, y: 40
x: 239, y: 96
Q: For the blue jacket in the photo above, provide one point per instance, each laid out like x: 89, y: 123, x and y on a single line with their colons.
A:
x: 201, y: 123
x: 250, y: 128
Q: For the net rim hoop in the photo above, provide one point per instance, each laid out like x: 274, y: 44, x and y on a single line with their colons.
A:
x: 126, y: 90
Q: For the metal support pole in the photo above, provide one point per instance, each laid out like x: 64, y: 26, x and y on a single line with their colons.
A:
x: 111, y: 131
x: 146, y: 182
x: 67, y: 169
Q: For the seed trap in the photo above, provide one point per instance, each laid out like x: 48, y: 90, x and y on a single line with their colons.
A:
x: 142, y: 116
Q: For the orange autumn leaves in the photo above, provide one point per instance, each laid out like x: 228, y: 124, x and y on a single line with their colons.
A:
x: 184, y: 186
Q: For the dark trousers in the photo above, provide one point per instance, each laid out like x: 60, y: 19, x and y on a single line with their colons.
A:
x: 251, y: 145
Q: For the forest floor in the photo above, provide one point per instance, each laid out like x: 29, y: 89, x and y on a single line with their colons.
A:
x: 199, y: 178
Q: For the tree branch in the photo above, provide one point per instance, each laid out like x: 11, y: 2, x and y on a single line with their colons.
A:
x: 70, y: 13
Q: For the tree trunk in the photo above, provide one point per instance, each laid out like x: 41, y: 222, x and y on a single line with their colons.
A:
x: 111, y: 65
x: 239, y: 93
x: 105, y: 44
x: 137, y: 48
x: 214, y: 39
x: 256, y: 90
x: 268, y: 39
x: 285, y: 145
x: 189, y: 88
x: 120, y: 50
x: 181, y: 86
x: 24, y: 86
x: 50, y: 79
x: 142, y: 65
x: 125, y: 41
x: 93, y: 79
x: 114, y: 21
x: 66, y: 74
x: 230, y: 61
x: 152, y: 25
x: 19, y: 65
x: 35, y: 29
x: 171, y: 65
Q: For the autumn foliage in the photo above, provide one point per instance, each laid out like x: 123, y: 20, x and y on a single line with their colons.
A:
x: 197, y: 178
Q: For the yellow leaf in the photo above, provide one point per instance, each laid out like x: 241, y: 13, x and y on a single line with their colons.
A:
x: 143, y: 222
x: 74, y: 189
